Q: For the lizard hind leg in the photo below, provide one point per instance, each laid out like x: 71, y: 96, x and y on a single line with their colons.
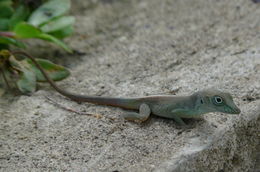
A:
x: 143, y: 115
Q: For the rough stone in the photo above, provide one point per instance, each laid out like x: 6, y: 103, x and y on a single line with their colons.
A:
x: 134, y: 48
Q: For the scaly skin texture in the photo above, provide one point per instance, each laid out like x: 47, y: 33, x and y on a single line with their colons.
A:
x: 174, y: 107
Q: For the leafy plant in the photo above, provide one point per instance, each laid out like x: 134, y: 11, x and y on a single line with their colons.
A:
x: 25, y: 74
x: 48, y: 22
x: 23, y: 19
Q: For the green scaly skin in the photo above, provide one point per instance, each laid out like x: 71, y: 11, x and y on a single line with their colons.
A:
x: 174, y: 107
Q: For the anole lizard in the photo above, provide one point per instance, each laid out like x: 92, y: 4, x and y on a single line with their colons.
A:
x: 175, y: 107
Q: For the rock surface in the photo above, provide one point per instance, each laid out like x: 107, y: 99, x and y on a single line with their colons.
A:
x: 134, y: 48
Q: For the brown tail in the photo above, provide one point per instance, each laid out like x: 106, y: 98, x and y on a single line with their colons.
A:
x: 110, y: 101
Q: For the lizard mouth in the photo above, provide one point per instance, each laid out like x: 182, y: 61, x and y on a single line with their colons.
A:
x: 234, y: 110
x: 237, y: 111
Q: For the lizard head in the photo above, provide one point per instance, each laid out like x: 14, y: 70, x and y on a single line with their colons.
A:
x: 212, y: 100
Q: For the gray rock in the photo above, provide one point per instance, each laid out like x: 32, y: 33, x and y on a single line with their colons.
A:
x: 135, y: 48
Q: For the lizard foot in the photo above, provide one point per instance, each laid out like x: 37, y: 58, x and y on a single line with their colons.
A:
x: 143, y: 115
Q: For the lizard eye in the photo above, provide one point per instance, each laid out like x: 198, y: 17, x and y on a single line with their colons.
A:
x: 218, y: 100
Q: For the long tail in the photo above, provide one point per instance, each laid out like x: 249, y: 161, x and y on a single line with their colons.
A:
x: 126, y: 103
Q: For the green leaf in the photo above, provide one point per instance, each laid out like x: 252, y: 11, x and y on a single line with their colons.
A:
x: 21, y: 13
x: 7, y: 40
x: 58, y: 24
x: 5, y: 2
x: 55, y: 72
x: 6, y: 10
x: 27, y: 82
x: 16, y: 64
x: 49, y: 11
x: 60, y: 34
x: 25, y: 30
x: 51, y: 38
x: 3, y: 46
x: 4, y: 24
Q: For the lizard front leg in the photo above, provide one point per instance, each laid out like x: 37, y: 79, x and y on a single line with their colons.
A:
x: 143, y: 115
x: 178, y: 120
x: 175, y: 115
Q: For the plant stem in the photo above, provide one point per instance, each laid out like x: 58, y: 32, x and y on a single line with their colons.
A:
x: 7, y: 34
x: 5, y: 79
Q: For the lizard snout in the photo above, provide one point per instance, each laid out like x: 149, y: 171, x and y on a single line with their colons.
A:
x: 236, y: 110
